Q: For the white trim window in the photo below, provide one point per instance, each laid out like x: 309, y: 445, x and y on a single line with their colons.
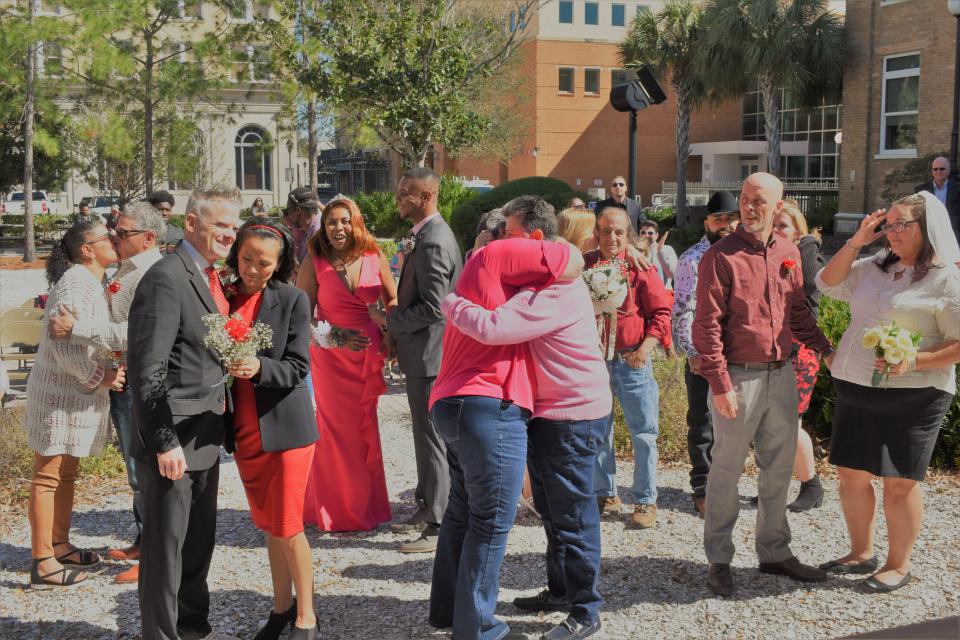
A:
x: 184, y: 10
x: 565, y: 80
x: 900, y: 105
x: 252, y: 64
x: 591, y: 81
x: 252, y: 158
x: 49, y: 60
x: 43, y: 7
x: 240, y: 10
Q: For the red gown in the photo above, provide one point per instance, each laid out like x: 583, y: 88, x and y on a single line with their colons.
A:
x: 347, y: 490
x: 275, y: 482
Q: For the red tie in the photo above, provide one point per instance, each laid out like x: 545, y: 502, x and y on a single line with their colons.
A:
x: 217, y: 291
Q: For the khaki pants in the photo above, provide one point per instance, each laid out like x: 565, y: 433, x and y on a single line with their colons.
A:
x: 51, y: 502
x: 766, y: 415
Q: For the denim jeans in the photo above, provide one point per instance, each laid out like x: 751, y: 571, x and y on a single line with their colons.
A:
x: 639, y: 397
x: 486, y: 442
x: 560, y: 457
x: 121, y: 410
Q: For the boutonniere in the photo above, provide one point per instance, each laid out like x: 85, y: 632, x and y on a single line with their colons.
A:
x: 113, y: 287
x: 229, y: 290
x: 789, y: 265
x: 407, y: 245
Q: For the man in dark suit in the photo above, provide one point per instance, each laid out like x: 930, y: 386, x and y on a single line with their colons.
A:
x: 618, y: 198
x: 430, y: 269
x: 946, y: 190
x: 179, y: 403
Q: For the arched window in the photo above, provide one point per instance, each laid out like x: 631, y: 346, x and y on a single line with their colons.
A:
x: 252, y: 153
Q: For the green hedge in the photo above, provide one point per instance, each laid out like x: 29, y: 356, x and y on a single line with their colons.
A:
x: 380, y: 212
x: 466, y: 215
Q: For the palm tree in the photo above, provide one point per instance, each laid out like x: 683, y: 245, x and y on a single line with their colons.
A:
x: 797, y: 45
x: 667, y: 44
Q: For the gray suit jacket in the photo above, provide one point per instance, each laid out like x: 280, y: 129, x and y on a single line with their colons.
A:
x: 429, y: 273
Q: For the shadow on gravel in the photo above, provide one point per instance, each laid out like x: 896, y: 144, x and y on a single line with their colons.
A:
x: 102, y: 522
x: 14, y: 557
x: 46, y: 630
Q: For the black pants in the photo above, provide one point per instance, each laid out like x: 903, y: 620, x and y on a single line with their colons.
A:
x: 699, y: 430
x: 179, y: 531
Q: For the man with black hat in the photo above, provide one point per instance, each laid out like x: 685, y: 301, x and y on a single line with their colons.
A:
x: 300, y: 216
x: 163, y: 202
x: 719, y: 221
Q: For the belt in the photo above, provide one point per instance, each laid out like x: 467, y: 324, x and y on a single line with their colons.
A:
x: 761, y: 366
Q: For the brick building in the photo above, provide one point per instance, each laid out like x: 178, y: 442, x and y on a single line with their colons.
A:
x: 897, y: 93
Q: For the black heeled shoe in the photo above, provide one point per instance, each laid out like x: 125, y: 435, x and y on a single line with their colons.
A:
x: 810, y: 496
x: 277, y: 622
x: 299, y: 633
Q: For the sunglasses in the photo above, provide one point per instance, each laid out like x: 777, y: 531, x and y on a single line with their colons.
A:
x: 650, y: 234
x: 123, y: 234
x: 618, y: 184
x: 939, y: 169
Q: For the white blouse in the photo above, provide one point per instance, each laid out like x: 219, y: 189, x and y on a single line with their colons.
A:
x: 930, y: 307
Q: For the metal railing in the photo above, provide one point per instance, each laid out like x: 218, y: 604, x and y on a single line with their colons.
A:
x: 809, y: 194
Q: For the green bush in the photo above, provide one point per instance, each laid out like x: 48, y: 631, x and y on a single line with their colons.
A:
x: 665, y: 217
x: 682, y: 238
x: 467, y: 214
x: 672, y: 441
x: 379, y: 208
x: 388, y: 248
x: 176, y: 221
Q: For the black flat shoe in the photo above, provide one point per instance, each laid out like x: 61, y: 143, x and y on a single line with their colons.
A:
x: 872, y: 585
x: 277, y: 622
x: 299, y: 633
x: 858, y: 569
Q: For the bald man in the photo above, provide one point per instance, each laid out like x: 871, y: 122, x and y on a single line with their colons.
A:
x: 750, y: 304
x: 945, y: 189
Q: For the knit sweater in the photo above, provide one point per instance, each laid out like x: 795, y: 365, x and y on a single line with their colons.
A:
x: 67, y: 409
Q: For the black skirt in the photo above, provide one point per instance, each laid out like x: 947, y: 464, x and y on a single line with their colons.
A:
x: 889, y: 432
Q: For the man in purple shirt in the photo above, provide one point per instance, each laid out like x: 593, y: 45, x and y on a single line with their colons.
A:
x: 750, y: 303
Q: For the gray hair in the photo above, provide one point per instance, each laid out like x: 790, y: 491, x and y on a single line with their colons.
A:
x: 202, y: 200
x: 536, y: 213
x: 491, y: 221
x: 147, y: 218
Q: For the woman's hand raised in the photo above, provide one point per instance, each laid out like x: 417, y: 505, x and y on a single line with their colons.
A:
x: 869, y: 232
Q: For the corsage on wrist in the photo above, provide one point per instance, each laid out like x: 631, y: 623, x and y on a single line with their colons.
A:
x: 327, y: 336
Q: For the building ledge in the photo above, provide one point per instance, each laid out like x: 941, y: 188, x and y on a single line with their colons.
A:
x: 896, y: 155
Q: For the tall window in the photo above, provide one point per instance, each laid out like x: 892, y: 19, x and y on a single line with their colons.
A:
x: 591, y: 81
x: 566, y: 11
x: 901, y: 88
x: 182, y: 9
x: 252, y: 64
x: 252, y: 155
x: 618, y: 15
x: 565, y: 79
x: 50, y: 60
x: 591, y: 13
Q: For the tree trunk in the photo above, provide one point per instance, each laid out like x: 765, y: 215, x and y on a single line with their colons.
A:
x: 771, y: 116
x: 148, y: 116
x: 29, y: 241
x: 312, y: 143
x: 683, y: 151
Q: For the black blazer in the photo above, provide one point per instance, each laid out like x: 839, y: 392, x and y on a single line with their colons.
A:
x: 953, y: 197
x: 283, y: 399
x: 177, y: 383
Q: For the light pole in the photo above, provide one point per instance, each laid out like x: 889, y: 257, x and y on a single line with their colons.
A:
x: 954, y: 7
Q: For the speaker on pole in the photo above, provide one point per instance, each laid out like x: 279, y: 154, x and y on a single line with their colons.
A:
x: 634, y: 96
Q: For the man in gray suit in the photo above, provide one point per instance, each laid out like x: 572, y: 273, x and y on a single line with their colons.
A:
x: 430, y: 269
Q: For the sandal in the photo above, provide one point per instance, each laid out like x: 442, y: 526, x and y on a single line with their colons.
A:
x: 87, y: 558
x: 68, y: 577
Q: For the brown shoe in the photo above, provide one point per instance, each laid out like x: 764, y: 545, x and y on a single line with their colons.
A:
x: 131, y: 575
x: 644, y: 516
x: 794, y: 569
x: 414, y: 524
x: 426, y: 543
x: 720, y: 580
x: 700, y: 504
x: 130, y: 553
x: 609, y: 505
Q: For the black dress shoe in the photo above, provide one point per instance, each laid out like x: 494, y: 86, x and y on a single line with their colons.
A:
x: 794, y: 569
x: 277, y: 622
x: 872, y: 585
x: 857, y: 568
x: 571, y: 629
x: 720, y: 580
x: 543, y: 601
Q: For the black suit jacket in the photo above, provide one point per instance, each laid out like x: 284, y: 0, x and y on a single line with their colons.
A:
x: 630, y: 205
x: 177, y: 383
x: 953, y: 198
x: 283, y: 400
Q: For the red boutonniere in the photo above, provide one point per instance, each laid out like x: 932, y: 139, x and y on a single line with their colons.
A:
x: 789, y: 265
x: 113, y: 287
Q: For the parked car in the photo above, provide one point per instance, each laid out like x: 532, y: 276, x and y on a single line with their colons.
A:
x: 14, y: 203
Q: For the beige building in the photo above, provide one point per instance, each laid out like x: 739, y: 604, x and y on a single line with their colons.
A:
x: 243, y: 135
x: 897, y: 93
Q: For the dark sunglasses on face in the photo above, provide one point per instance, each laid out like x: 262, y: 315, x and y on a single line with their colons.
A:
x: 939, y: 168
x: 618, y: 184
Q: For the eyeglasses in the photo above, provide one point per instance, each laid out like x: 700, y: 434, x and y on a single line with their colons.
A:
x: 897, y: 227
x: 618, y: 184
x: 123, y: 234
x: 649, y: 233
x: 939, y: 168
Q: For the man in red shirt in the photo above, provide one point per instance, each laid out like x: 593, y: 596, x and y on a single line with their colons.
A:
x: 750, y: 303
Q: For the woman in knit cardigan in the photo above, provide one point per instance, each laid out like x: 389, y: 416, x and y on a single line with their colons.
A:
x: 68, y: 404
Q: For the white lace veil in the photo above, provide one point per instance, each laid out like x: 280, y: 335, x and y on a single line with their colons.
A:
x: 939, y: 230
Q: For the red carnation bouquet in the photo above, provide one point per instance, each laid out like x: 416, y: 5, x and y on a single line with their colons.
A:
x: 234, y: 339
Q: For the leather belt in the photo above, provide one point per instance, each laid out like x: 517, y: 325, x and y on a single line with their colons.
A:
x: 761, y: 366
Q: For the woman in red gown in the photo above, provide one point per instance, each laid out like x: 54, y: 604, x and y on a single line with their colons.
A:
x: 347, y: 490
x: 273, y: 419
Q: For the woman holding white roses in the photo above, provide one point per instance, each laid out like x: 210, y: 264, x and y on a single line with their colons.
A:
x: 890, y: 431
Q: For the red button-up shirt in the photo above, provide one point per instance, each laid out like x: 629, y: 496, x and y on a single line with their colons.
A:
x: 750, y: 303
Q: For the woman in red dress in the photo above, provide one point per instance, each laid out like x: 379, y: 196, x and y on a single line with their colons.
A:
x: 347, y: 490
x: 273, y: 419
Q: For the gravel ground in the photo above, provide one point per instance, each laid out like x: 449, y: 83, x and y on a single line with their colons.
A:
x: 653, y: 581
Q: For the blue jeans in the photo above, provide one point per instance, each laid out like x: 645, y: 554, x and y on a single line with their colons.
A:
x: 639, y: 398
x: 121, y: 410
x: 486, y: 442
x: 561, y: 457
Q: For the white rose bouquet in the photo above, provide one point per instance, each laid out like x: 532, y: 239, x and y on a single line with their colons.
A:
x: 892, y: 344
x: 607, y: 283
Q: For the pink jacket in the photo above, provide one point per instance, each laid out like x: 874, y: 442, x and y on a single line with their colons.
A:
x: 572, y: 382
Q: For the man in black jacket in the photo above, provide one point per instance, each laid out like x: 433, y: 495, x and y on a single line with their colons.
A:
x: 618, y: 198
x: 179, y: 403
x: 945, y: 189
